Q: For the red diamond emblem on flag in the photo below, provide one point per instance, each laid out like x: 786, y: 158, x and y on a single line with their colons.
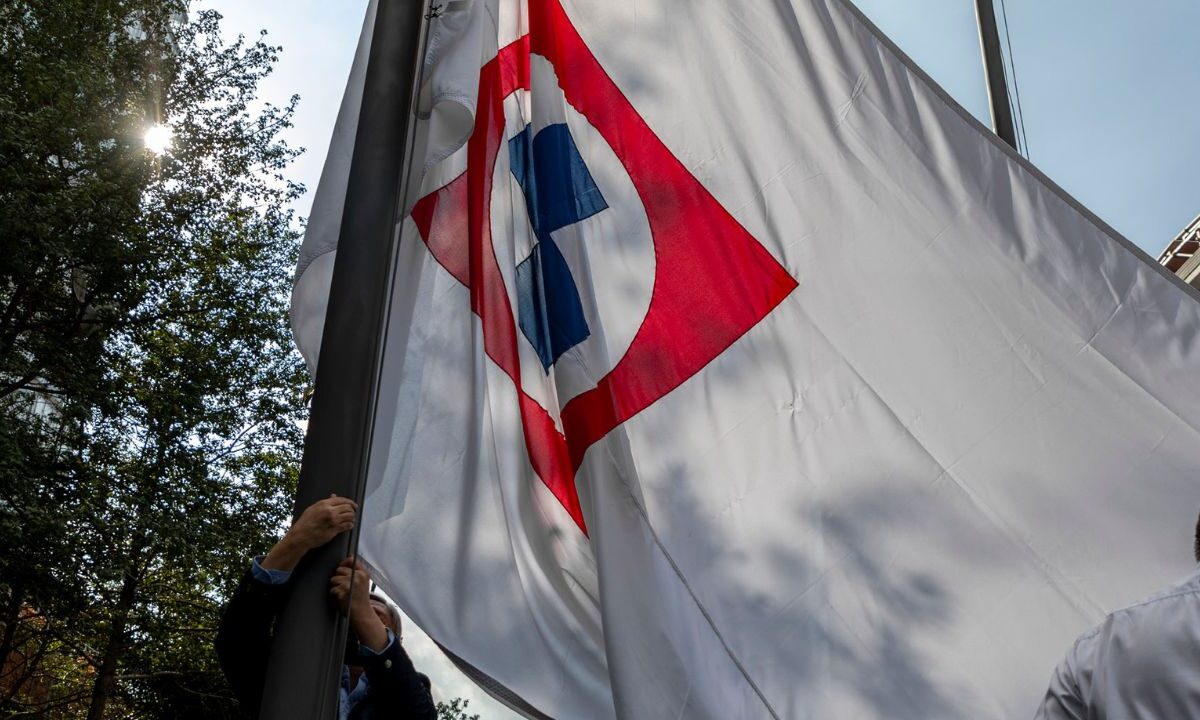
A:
x: 713, y: 280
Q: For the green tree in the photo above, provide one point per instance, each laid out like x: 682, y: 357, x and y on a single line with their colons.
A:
x: 456, y: 709
x: 149, y: 393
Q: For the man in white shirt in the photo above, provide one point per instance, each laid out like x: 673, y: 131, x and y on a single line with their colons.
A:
x: 1141, y: 662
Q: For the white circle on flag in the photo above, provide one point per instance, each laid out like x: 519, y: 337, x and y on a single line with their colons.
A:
x: 610, y: 254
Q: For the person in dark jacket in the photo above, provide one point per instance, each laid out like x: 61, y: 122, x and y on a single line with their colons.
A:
x: 381, y: 684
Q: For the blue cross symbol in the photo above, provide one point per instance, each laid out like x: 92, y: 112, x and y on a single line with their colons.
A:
x: 559, y: 191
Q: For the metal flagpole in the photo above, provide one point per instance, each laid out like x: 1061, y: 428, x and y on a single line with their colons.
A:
x: 306, y: 657
x: 993, y: 69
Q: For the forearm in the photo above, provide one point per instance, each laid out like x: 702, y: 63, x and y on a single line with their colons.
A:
x: 369, y: 629
x: 285, y: 555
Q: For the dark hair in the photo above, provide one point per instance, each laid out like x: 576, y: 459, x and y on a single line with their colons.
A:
x: 1196, y: 545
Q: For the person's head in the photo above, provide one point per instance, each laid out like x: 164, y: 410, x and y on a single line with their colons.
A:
x: 1196, y: 545
x: 387, y: 612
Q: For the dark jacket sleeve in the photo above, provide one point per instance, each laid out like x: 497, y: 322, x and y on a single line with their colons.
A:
x: 398, y: 689
x: 243, y: 641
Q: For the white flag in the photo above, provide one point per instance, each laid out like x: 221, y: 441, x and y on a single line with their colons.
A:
x: 734, y: 371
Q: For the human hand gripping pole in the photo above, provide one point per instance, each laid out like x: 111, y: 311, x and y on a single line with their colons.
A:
x: 318, y: 524
x: 350, y: 586
x: 244, y: 639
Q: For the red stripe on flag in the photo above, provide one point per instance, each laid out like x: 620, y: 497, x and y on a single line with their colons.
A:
x: 441, y: 219
x: 456, y: 226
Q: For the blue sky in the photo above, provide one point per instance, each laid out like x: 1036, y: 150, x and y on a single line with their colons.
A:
x: 1110, y: 91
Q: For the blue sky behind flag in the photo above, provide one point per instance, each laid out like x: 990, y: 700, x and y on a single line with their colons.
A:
x: 1108, y: 89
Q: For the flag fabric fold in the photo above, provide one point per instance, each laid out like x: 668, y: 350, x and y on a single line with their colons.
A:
x: 734, y: 371
x: 446, y: 105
